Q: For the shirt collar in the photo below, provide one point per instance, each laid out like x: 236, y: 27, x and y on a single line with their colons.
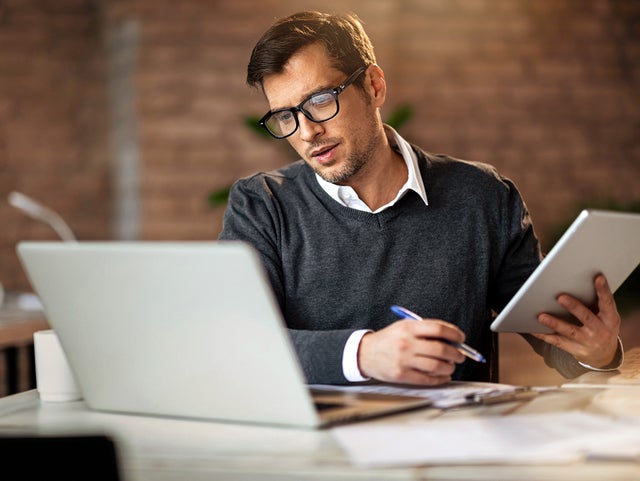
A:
x: 346, y: 196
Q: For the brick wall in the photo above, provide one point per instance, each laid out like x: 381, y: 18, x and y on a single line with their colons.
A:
x: 52, y: 128
x: 548, y: 91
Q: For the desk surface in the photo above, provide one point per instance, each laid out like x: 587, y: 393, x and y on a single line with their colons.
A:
x: 159, y: 449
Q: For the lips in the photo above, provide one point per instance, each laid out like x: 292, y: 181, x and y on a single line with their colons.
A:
x: 323, y: 154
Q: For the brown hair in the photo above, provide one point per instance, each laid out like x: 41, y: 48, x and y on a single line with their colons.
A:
x: 343, y: 37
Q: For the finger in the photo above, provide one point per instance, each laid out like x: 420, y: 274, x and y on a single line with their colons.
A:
x: 563, y: 342
x: 423, y: 378
x: 560, y: 327
x: 408, y: 375
x: 427, y: 370
x: 439, y: 350
x: 437, y: 329
x: 566, y: 336
x: 415, y: 370
x: 432, y: 366
x: 577, y: 349
x: 578, y: 310
x: 607, y: 309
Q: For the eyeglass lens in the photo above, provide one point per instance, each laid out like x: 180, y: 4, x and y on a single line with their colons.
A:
x: 318, y: 108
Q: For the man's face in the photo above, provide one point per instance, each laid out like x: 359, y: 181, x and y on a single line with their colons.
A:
x: 339, y: 148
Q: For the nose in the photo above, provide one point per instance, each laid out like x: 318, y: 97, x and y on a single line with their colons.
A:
x: 307, y: 129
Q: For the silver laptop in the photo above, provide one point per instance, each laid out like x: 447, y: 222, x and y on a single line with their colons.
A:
x: 183, y: 329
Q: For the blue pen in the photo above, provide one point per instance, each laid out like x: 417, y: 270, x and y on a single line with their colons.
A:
x: 463, y: 348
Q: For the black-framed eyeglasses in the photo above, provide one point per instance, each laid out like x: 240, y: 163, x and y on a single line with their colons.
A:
x: 319, y: 107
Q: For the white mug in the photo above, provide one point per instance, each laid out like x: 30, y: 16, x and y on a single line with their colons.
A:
x: 54, y: 379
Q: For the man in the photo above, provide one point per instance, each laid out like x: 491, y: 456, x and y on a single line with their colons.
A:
x: 365, y: 221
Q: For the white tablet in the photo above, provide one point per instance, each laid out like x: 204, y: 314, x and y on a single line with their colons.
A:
x: 596, y: 242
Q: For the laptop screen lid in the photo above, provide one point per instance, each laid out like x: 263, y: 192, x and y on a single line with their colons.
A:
x: 186, y: 329
x: 179, y: 329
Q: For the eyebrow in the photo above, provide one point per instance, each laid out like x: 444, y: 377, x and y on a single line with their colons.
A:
x: 309, y: 94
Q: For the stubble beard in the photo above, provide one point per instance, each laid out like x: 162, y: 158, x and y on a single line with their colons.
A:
x: 353, y: 164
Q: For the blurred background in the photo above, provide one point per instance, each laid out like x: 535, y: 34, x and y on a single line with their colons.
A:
x: 125, y: 116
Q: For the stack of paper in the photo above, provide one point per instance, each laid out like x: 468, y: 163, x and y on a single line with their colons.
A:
x: 557, y: 437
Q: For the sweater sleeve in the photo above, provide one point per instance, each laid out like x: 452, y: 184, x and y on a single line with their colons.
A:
x: 253, y: 216
x: 522, y: 255
x: 518, y: 247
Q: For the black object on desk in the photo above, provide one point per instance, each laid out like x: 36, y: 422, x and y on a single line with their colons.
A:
x: 86, y: 457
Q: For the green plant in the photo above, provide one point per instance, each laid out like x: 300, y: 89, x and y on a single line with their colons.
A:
x: 219, y: 197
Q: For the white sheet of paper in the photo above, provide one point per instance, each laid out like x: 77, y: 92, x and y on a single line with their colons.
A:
x: 559, y: 437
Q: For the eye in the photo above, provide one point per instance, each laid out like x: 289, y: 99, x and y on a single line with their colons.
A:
x: 320, y: 100
x: 284, y: 116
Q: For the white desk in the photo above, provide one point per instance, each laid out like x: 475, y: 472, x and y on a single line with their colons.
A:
x: 162, y: 449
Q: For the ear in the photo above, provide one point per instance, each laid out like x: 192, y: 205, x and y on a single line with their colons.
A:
x: 375, y: 85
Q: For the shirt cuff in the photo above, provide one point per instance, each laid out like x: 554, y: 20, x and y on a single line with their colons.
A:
x: 350, y: 357
x: 616, y: 364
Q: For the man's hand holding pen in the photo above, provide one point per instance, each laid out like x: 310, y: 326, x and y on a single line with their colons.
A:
x: 409, y: 352
x: 466, y: 350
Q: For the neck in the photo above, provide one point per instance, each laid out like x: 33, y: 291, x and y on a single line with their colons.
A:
x: 379, y: 181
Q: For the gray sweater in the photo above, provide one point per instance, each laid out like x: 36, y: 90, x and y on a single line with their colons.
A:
x: 335, y: 269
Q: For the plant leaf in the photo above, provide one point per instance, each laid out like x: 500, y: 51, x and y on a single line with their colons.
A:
x: 400, y: 116
x: 219, y: 197
x: 252, y: 122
